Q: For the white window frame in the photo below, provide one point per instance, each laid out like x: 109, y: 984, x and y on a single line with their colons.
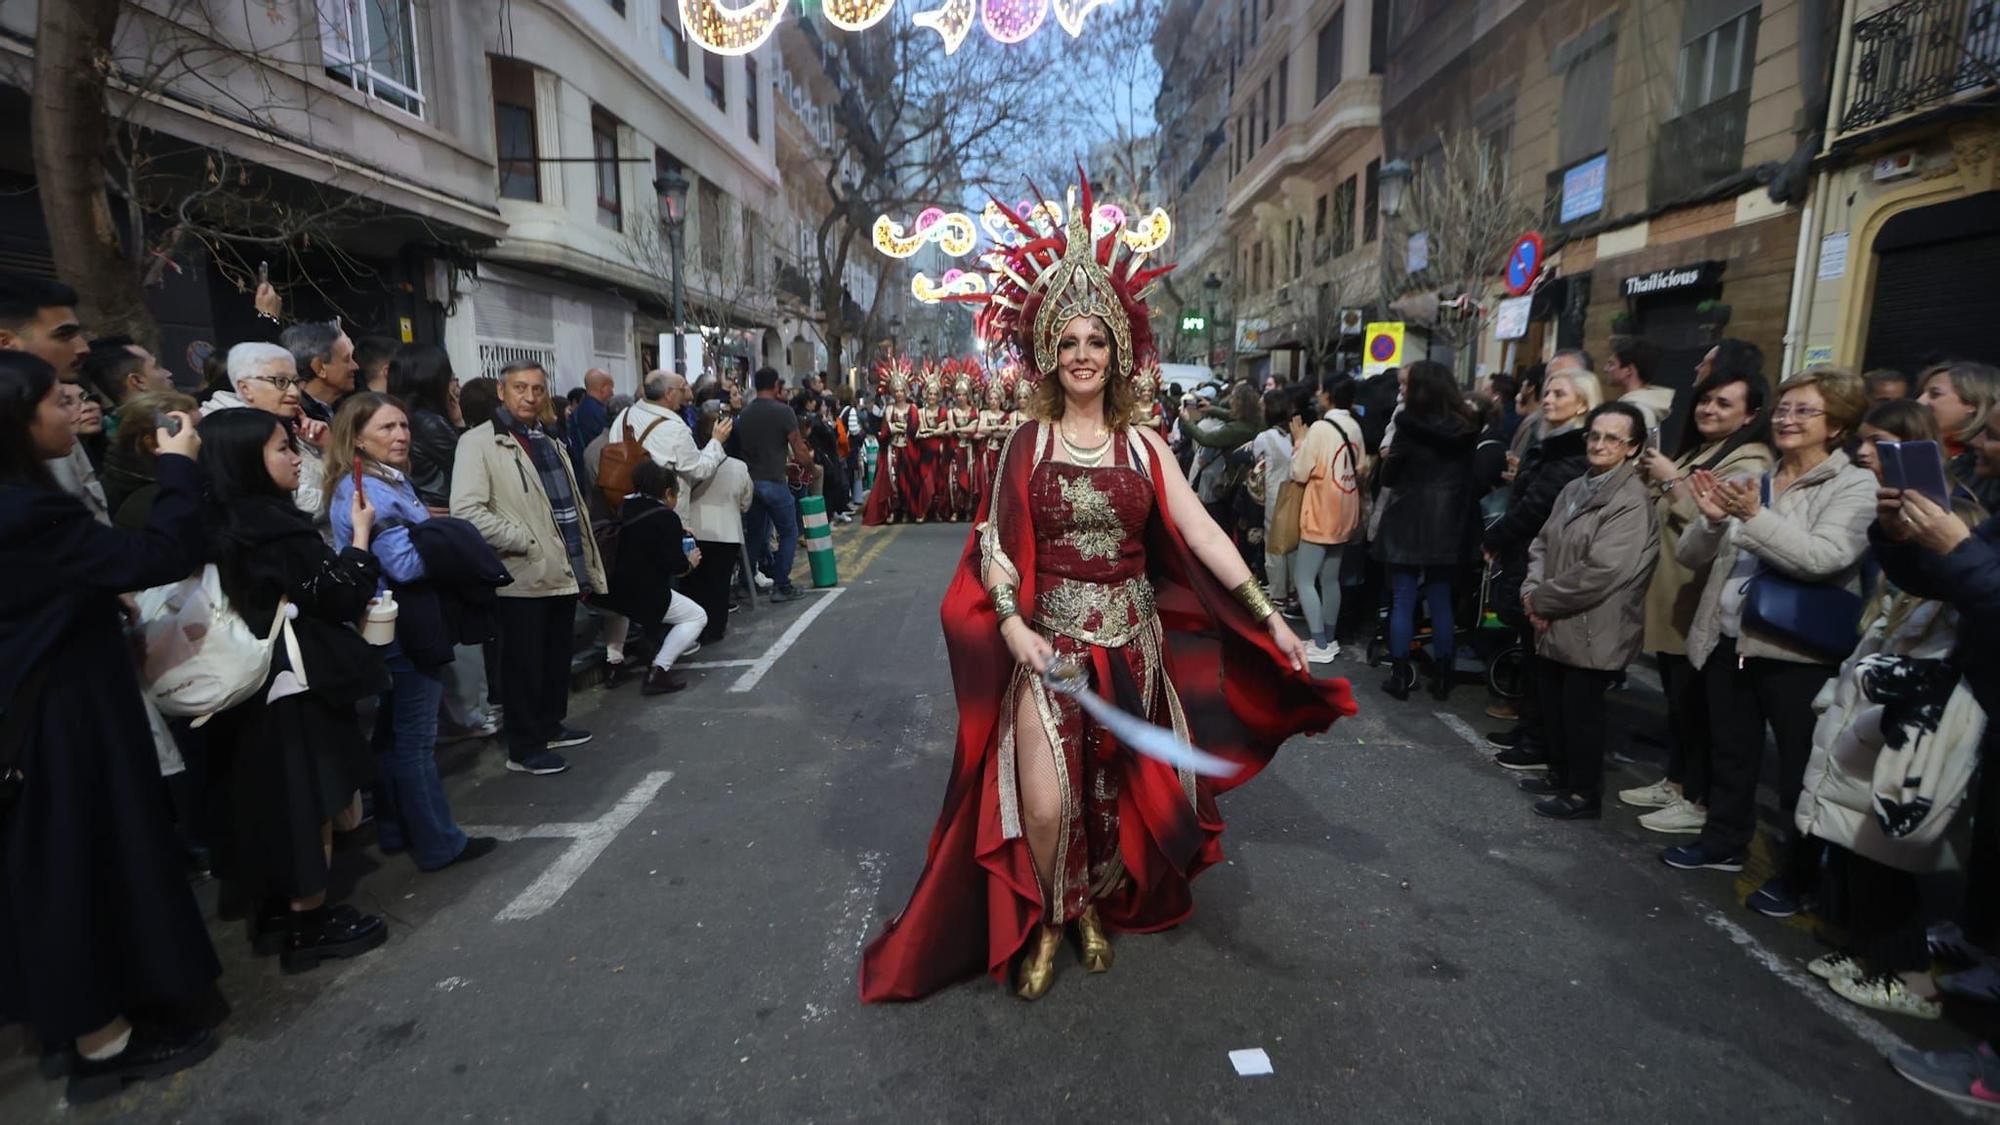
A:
x: 1701, y: 53
x: 338, y: 29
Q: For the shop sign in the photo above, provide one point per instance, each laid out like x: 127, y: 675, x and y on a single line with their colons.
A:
x: 1510, y: 318
x: 1583, y: 189
x: 1193, y: 323
x: 1669, y: 280
x: 1250, y: 334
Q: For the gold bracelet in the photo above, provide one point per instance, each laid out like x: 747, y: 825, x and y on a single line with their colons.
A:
x: 1255, y: 599
x: 1003, y: 601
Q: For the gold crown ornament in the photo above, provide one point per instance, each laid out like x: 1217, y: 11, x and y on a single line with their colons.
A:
x: 1050, y: 279
x: 892, y: 376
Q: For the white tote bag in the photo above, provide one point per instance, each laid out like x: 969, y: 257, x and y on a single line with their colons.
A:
x: 202, y: 658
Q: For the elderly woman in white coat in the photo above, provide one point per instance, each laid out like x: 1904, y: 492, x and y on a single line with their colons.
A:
x: 713, y: 515
x: 1585, y: 596
x: 1806, y: 522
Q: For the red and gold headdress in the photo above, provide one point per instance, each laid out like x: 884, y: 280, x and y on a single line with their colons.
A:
x: 1146, y: 380
x: 931, y: 378
x: 892, y: 376
x: 967, y: 382
x: 1051, y: 279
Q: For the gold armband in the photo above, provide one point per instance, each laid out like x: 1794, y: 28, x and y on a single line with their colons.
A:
x: 1003, y: 601
x: 1255, y: 599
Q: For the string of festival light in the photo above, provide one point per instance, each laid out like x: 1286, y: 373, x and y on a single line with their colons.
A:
x: 955, y: 235
x: 725, y: 30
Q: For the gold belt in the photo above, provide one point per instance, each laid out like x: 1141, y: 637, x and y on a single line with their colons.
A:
x: 1099, y: 613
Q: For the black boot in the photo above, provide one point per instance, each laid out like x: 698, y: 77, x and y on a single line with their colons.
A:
x: 1402, y: 677
x: 1441, y: 683
x: 329, y: 931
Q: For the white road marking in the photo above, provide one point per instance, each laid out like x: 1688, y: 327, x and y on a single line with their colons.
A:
x: 1462, y: 729
x: 699, y: 664
x: 842, y: 959
x: 587, y: 841
x: 762, y: 664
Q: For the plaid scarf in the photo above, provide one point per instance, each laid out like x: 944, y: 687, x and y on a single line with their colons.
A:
x: 548, y: 456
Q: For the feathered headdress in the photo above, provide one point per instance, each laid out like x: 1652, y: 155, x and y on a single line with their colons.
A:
x: 892, y: 376
x: 967, y: 382
x: 931, y: 378
x: 1051, y: 279
x: 1146, y: 380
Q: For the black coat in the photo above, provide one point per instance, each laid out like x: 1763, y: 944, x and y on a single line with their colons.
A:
x: 649, y: 558
x: 95, y: 902
x: 1427, y: 518
x: 453, y: 604
x: 433, y: 445
x: 1545, y: 471
x: 1374, y: 405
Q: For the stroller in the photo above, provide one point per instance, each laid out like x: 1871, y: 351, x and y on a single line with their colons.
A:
x: 1479, y: 631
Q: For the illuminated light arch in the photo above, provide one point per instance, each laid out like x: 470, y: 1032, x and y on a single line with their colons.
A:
x: 954, y: 283
x: 953, y: 231
x: 1148, y: 234
x: 952, y: 22
x: 1070, y: 13
x: 731, y: 31
x: 1012, y: 21
x: 856, y: 15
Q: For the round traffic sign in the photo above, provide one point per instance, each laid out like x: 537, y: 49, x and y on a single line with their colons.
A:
x: 1524, y: 261
x: 1382, y: 348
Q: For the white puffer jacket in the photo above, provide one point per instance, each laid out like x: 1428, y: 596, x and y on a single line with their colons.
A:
x: 1838, y: 801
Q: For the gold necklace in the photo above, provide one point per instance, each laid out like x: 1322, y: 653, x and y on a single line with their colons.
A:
x: 1087, y: 456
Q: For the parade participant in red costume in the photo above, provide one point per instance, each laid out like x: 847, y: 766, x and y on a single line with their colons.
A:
x: 894, y: 496
x: 927, y: 446
x: 996, y: 423
x: 965, y: 440
x: 1146, y: 389
x: 1090, y: 550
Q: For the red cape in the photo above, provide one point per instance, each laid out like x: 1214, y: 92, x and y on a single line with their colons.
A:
x: 977, y: 902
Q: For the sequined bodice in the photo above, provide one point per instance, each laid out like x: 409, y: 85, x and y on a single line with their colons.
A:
x: 1090, y: 523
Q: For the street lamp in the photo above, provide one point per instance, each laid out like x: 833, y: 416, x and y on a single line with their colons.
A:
x: 1394, y: 182
x: 673, y: 190
x: 1212, y: 285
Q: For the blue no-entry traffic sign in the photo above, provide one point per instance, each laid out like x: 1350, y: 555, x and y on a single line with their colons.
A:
x: 1523, y: 263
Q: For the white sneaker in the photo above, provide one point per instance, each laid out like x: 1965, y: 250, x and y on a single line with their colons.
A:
x: 1658, y: 795
x: 762, y: 582
x: 1322, y: 654
x: 1680, y: 818
x: 1886, y: 992
x: 1835, y: 966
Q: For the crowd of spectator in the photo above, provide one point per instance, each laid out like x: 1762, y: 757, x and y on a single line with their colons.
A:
x: 242, y: 623
x: 1804, y: 559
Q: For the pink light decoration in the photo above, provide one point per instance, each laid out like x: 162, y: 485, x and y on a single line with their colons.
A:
x: 952, y: 275
x: 929, y: 217
x: 1011, y: 21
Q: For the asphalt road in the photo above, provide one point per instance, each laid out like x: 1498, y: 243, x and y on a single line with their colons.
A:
x: 1396, y: 930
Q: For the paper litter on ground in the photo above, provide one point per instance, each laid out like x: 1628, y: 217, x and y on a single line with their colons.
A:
x: 1251, y: 1062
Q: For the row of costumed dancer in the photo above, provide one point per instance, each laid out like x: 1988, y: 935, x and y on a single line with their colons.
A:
x: 944, y: 425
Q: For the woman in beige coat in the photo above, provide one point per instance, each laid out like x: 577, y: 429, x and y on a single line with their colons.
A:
x: 1728, y: 434
x: 1585, y: 596
x: 1806, y: 522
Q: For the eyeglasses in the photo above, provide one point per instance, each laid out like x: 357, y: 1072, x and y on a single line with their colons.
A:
x: 1802, y: 413
x: 283, y: 383
x: 1596, y: 438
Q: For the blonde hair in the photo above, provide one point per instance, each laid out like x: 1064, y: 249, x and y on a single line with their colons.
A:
x: 343, y: 440
x: 1843, y: 392
x: 1976, y: 383
x: 1583, y: 383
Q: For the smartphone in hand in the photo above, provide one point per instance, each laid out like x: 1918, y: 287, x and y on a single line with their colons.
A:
x: 1915, y: 466
x: 357, y: 472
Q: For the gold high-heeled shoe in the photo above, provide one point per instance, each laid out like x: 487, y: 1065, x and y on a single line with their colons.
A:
x: 1096, y: 946
x: 1038, y: 971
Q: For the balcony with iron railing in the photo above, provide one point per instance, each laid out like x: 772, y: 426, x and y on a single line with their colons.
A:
x: 1919, y: 55
x: 1698, y: 148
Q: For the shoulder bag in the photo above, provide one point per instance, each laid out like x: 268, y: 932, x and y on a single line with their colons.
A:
x: 1818, y: 617
x: 202, y: 657
x: 615, y: 464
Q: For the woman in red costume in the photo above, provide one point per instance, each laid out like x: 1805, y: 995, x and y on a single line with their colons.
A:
x: 964, y: 442
x: 1146, y: 388
x: 894, y: 496
x: 1090, y: 550
x: 928, y: 437
x: 995, y: 423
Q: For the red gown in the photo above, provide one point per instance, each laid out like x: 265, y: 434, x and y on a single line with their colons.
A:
x: 964, y: 500
x: 885, y: 501
x: 934, y: 453
x: 1098, y: 557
